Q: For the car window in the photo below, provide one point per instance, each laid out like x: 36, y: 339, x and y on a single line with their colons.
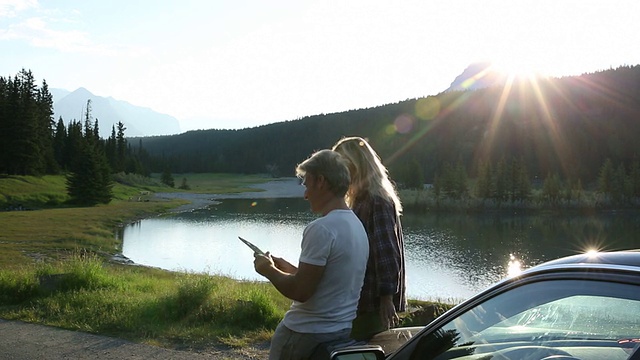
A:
x: 574, y: 318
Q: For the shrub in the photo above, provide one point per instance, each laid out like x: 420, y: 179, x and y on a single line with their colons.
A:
x: 83, y: 271
x: 258, y: 312
x: 17, y: 287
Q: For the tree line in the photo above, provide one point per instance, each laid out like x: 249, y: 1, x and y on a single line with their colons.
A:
x: 508, y: 182
x: 31, y: 143
x: 495, y: 143
x: 564, y: 126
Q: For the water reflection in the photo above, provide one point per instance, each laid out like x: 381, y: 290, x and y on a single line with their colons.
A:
x: 514, y: 267
x: 448, y: 257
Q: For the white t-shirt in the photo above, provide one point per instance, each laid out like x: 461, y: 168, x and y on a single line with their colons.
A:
x: 338, y: 242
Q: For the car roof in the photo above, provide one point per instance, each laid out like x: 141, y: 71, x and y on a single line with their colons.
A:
x: 627, y: 258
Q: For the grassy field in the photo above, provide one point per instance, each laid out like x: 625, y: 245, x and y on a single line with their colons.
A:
x: 95, y: 295
x: 218, y: 183
x: 141, y: 304
x: 55, y: 269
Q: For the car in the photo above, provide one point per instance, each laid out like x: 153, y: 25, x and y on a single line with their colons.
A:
x: 581, y: 307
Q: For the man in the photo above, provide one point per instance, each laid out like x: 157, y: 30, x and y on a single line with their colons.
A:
x: 325, y: 286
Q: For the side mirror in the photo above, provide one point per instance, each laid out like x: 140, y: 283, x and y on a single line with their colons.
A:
x: 359, y: 352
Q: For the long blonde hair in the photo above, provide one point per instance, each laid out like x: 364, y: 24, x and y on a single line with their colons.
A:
x: 368, y: 174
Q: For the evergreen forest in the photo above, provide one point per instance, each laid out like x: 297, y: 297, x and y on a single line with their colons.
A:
x: 32, y: 143
x: 578, y: 132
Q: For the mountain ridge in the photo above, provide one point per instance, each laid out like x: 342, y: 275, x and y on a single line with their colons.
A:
x: 139, y: 121
x: 477, y: 76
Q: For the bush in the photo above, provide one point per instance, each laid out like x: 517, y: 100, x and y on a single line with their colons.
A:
x: 188, y: 302
x: 17, y: 287
x: 258, y: 312
x: 82, y: 272
x: 131, y: 179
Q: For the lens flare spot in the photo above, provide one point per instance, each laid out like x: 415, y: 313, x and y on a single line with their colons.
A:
x: 468, y: 83
x: 427, y: 108
x: 390, y: 129
x: 514, y: 267
x: 403, y: 123
x: 254, y: 204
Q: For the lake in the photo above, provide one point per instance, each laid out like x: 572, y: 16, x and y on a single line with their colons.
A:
x: 448, y: 256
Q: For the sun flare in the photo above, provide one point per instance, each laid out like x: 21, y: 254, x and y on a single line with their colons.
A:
x: 521, y: 69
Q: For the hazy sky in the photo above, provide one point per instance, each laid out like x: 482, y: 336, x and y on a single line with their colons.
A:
x: 242, y: 63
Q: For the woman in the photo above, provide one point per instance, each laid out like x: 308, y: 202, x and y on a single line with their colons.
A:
x: 373, y: 198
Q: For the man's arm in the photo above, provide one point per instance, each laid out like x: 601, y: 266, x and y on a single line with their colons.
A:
x: 299, y: 286
x: 284, y: 265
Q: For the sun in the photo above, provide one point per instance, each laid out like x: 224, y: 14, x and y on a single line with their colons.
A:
x: 519, y: 68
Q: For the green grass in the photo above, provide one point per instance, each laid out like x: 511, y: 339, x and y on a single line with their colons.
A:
x: 53, y: 231
x: 72, y: 246
x: 32, y: 191
x: 55, y: 269
x: 217, y: 183
x: 150, y: 305
x: 141, y: 304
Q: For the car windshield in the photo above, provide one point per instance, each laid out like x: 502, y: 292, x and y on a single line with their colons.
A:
x: 577, y: 319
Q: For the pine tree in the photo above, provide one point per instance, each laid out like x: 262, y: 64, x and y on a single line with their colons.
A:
x: 44, y: 128
x: 167, y: 179
x: 501, y: 181
x: 605, y: 179
x: 59, y: 144
x: 461, y: 178
x: 110, y: 150
x: 483, y: 184
x: 73, y: 144
x: 522, y: 181
x: 551, y: 188
x: 184, y: 185
x: 121, y: 147
x: 26, y: 134
x: 21, y: 151
x: 618, y: 184
x: 413, y: 178
x: 89, y: 181
x: 5, y: 135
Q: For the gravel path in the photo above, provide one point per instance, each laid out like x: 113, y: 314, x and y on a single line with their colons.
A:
x: 24, y: 341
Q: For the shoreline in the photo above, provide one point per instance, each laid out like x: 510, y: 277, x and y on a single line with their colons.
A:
x: 288, y: 187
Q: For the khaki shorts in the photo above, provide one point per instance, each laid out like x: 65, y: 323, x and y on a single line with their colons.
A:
x: 287, y: 344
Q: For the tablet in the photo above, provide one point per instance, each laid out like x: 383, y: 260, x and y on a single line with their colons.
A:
x: 251, y: 246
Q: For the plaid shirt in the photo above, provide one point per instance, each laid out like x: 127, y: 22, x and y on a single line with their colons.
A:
x: 385, y: 273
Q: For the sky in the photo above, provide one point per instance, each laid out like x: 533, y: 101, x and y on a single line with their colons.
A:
x: 234, y: 64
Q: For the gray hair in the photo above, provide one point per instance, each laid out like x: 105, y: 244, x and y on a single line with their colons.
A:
x: 330, y: 165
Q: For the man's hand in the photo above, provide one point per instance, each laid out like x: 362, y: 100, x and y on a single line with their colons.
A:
x: 284, y: 265
x: 263, y: 263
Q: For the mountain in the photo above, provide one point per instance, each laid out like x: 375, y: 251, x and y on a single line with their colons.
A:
x: 59, y: 94
x: 139, y: 121
x: 477, y: 76
x: 568, y: 126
